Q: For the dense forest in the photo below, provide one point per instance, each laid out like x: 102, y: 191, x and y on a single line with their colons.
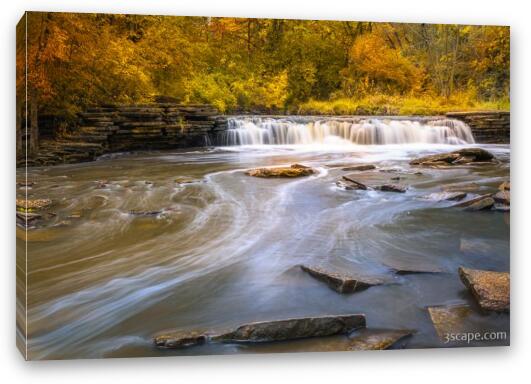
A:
x: 296, y: 66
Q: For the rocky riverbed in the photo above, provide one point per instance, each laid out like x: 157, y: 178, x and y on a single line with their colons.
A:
x: 195, y: 251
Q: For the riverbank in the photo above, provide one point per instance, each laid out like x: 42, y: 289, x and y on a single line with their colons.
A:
x: 112, y: 129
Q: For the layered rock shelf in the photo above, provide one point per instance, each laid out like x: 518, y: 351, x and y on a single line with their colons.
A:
x: 489, y: 127
x: 118, y: 128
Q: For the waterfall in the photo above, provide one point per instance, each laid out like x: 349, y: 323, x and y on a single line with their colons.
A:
x: 308, y: 130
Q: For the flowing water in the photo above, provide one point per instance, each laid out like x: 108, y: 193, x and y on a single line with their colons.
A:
x: 222, y: 248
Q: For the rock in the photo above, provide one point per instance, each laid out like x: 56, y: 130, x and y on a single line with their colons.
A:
x: 442, y: 196
x: 341, y: 282
x: 299, y: 166
x: 371, y: 339
x: 478, y: 154
x: 505, y: 186
x: 477, y: 204
x: 461, y: 156
x: 31, y: 205
x: 297, y: 328
x: 401, y: 268
x: 179, y: 339
x: 391, y: 188
x: 502, y: 197
x: 502, y: 207
x: 471, y: 187
x: 353, y: 184
x: 363, y: 167
x: 185, y: 180
x: 296, y: 170
x: 27, y: 219
x: 490, y: 289
x: 144, y: 213
x: 448, y: 319
x: 25, y: 184
x: 442, y: 159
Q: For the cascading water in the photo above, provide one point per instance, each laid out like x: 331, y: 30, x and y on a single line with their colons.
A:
x: 306, y: 131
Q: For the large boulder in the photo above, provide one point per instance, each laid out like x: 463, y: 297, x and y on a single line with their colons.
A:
x: 179, y: 339
x: 342, y: 282
x: 490, y: 289
x: 296, y: 170
x: 461, y: 156
x: 297, y: 328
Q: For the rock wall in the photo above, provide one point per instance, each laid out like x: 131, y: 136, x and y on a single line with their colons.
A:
x: 487, y: 127
x: 116, y: 128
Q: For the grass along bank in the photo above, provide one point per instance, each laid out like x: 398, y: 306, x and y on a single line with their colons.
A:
x: 398, y: 105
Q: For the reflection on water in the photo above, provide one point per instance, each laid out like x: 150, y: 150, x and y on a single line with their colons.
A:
x: 222, y: 248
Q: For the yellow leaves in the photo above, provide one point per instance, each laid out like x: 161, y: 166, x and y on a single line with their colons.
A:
x: 377, y: 66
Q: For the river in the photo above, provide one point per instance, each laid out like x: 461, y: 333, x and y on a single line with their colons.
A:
x: 216, y: 248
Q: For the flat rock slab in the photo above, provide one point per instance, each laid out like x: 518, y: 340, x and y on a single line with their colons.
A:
x: 445, y: 196
x: 459, y: 157
x: 342, y: 282
x: 179, y: 339
x: 280, y: 330
x: 363, y: 167
x: 490, y: 289
x: 479, y: 203
x: 350, y: 183
x: 296, y: 170
x: 448, y: 319
x: 377, y: 339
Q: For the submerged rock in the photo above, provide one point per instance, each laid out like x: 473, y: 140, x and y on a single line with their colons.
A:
x: 377, y: 339
x: 296, y: 170
x: 341, y: 282
x: 490, y: 289
x: 448, y: 319
x: 461, y: 156
x: 391, y: 188
x: 297, y: 328
x: 144, y: 213
x: 403, y: 268
x: 363, y: 167
x: 180, y: 339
